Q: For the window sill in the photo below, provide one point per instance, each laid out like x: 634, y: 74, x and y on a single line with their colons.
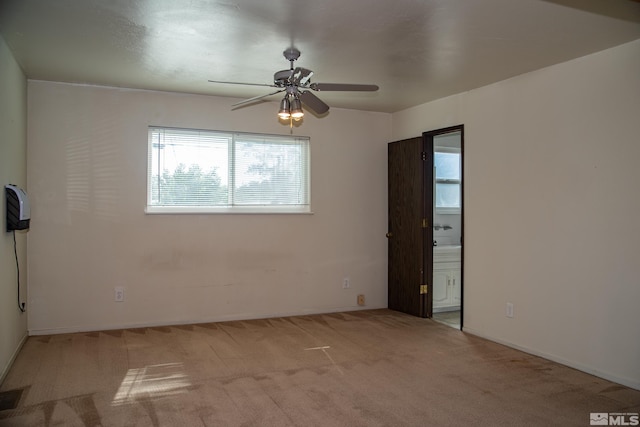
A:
x: 250, y: 210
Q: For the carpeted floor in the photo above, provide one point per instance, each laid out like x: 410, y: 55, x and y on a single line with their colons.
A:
x: 368, y: 368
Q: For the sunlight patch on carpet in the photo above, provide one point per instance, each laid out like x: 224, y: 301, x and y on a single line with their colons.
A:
x: 324, y: 349
x: 154, y: 381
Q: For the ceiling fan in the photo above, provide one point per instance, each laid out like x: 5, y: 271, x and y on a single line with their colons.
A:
x: 297, y: 85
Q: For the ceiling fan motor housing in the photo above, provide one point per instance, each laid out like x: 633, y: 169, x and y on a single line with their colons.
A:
x: 281, y: 78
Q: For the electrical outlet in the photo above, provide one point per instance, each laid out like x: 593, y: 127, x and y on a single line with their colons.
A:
x: 346, y: 283
x: 509, y: 309
x: 361, y: 299
x: 119, y: 293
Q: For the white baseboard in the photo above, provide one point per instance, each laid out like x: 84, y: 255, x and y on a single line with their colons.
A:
x: 224, y: 318
x: 6, y: 368
x: 570, y: 363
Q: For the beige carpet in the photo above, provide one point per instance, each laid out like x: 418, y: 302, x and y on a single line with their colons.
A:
x: 370, y: 368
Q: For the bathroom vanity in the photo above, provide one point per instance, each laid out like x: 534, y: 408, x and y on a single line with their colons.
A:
x: 447, y: 278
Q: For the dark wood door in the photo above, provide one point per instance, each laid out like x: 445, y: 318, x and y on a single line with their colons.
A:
x: 410, y: 236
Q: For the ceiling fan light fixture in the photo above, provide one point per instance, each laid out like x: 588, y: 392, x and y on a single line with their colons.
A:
x: 285, y: 109
x: 296, y: 109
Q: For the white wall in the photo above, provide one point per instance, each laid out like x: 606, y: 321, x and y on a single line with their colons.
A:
x: 551, y: 209
x: 87, y: 160
x: 13, y: 170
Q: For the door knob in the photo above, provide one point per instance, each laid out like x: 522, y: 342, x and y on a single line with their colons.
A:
x: 389, y: 235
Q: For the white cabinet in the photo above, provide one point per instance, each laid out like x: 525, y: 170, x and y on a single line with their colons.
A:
x: 441, y: 288
x: 456, y: 286
x: 446, y: 279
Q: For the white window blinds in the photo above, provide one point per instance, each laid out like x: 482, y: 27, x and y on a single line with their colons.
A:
x: 198, y: 171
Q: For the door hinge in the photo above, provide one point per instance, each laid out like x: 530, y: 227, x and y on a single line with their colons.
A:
x: 424, y: 289
x: 424, y: 156
x: 425, y: 223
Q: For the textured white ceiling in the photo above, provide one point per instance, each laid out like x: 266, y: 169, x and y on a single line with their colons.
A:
x: 415, y: 50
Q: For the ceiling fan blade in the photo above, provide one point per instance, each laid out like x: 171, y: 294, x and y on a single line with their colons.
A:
x: 255, y: 98
x: 240, y: 83
x: 343, y: 87
x: 301, y: 76
x: 313, y: 102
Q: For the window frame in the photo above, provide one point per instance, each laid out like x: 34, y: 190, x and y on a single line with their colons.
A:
x: 304, y: 208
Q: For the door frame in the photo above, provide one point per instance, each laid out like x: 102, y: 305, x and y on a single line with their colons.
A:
x: 429, y: 136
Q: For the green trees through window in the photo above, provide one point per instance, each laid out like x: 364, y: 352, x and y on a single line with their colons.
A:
x: 189, y: 187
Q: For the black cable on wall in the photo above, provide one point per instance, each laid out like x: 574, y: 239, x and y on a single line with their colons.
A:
x: 21, y: 304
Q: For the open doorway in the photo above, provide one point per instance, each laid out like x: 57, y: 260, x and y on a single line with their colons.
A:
x: 448, y: 225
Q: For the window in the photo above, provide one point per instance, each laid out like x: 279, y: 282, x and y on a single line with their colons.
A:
x: 201, y: 171
x: 447, y: 163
